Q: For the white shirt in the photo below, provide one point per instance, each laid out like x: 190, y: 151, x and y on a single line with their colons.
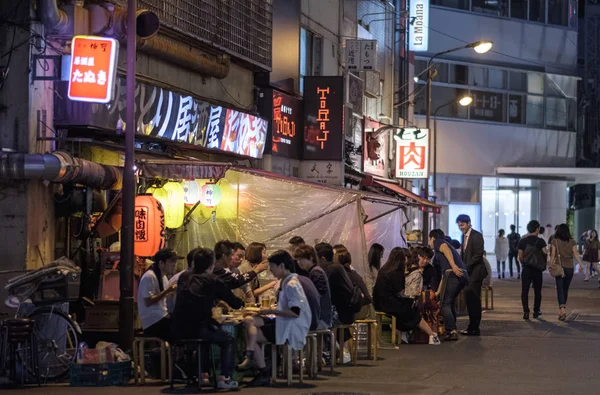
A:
x: 292, y: 330
x: 172, y: 298
x: 150, y: 315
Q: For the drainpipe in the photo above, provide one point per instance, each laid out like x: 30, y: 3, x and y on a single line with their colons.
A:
x: 51, y: 16
x: 60, y: 167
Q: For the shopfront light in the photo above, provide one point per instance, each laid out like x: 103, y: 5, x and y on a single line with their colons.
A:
x: 210, y: 195
x: 171, y: 196
x: 149, y: 232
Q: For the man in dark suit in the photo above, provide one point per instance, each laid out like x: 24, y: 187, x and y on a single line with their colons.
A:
x: 472, y: 255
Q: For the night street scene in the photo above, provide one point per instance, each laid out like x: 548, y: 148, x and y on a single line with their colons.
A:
x: 303, y: 197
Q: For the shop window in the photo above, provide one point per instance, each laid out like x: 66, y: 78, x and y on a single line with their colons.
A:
x: 488, y: 183
x: 496, y: 79
x: 572, y: 116
x: 459, y: 4
x: 518, y: 81
x: 535, y: 110
x: 442, y: 72
x: 494, y: 7
x: 558, y: 12
x: 420, y: 66
x: 444, y: 102
x: 556, y: 112
x: 537, y: 10
x: 518, y: 9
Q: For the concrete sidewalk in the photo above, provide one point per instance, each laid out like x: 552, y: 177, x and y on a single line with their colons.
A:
x: 512, y: 356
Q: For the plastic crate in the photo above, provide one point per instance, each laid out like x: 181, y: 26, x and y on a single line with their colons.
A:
x: 100, y: 375
x: 57, y: 288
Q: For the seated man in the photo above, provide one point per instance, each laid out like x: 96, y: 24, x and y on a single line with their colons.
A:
x: 198, y: 290
x: 289, y: 323
x: 173, y: 280
x: 306, y: 257
x: 229, y: 274
x: 153, y: 293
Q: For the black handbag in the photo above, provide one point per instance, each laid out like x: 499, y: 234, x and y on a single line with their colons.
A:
x: 534, y: 257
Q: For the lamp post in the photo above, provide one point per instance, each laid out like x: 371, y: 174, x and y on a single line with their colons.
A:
x: 480, y: 47
x: 464, y: 101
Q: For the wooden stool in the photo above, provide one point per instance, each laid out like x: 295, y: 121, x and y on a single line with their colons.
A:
x: 380, y: 316
x: 339, y: 334
x: 321, y: 333
x: 371, y: 336
x: 489, y: 296
x: 139, y: 365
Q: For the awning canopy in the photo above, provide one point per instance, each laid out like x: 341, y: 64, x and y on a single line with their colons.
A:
x: 404, y: 194
x: 573, y: 175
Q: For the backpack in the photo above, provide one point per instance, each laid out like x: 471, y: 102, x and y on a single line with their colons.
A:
x: 534, y: 257
x: 357, y: 300
x: 414, y: 284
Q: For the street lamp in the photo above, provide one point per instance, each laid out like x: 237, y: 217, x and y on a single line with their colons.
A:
x: 464, y: 101
x: 478, y: 46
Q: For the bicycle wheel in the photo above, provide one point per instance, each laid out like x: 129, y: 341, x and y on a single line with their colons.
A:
x: 57, y: 340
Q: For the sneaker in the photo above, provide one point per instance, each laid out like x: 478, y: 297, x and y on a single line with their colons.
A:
x: 586, y: 279
x: 434, y: 340
x: 226, y: 383
x: 404, y: 338
x: 452, y: 336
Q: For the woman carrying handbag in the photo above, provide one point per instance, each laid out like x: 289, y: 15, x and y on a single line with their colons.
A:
x: 562, y: 251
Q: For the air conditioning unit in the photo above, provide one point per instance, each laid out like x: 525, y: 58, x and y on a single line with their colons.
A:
x: 372, y: 84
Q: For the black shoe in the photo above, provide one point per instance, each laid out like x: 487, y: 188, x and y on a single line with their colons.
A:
x: 262, y: 380
x: 452, y: 336
x: 499, y: 277
x: 526, y: 316
x: 503, y: 275
x: 536, y: 314
x: 519, y: 277
x: 468, y: 332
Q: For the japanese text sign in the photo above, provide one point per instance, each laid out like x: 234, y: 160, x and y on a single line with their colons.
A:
x: 361, y: 55
x: 323, y: 118
x: 419, y: 25
x: 412, y: 153
x: 141, y: 224
x: 93, y: 64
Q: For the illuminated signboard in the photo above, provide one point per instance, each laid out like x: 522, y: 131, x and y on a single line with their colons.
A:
x: 419, y: 26
x: 323, y: 118
x: 412, y: 153
x: 375, y: 149
x: 168, y: 115
x: 286, y: 128
x: 93, y: 63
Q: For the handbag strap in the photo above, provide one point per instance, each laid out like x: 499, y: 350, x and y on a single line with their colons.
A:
x: 557, y: 252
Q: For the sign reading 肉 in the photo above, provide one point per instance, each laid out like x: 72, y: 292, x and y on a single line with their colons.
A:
x: 93, y: 64
x: 412, y: 153
x: 419, y: 25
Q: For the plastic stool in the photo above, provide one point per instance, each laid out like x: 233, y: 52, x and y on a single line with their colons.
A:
x: 372, y: 338
x: 380, y: 316
x: 339, y: 330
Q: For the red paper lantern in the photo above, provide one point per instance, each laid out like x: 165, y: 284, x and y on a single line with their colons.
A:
x: 149, y: 226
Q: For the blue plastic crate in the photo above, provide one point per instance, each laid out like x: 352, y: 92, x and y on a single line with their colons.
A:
x: 100, y: 375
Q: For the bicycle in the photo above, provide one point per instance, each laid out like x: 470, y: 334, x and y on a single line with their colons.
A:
x: 57, y: 333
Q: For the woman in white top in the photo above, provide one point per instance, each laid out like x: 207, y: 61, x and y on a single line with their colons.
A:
x: 501, y: 252
x: 288, y: 323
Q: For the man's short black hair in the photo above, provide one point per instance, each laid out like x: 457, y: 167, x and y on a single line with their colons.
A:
x: 532, y: 226
x: 190, y: 257
x: 437, y: 234
x: 237, y: 246
x: 203, y: 259
x: 455, y: 243
x: 425, y: 252
x: 464, y: 218
x: 297, y: 241
x: 512, y: 228
x: 223, y: 247
x: 283, y: 257
x: 325, y: 250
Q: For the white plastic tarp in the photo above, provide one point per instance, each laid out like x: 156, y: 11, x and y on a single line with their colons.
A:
x: 257, y: 207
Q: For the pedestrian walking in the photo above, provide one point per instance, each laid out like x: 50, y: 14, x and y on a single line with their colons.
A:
x: 532, y: 255
x: 472, y: 255
x: 564, y: 249
x: 501, y: 251
x: 513, y: 251
x: 590, y: 254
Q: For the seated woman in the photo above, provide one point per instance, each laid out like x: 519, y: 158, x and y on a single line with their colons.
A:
x: 255, y: 254
x: 388, y: 296
x: 291, y: 322
x: 344, y: 258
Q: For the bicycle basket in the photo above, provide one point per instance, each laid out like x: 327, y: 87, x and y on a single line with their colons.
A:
x: 57, y: 288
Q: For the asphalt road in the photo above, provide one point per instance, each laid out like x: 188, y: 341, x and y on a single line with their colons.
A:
x: 512, y: 356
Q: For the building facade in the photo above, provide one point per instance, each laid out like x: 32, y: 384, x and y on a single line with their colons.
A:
x: 523, y: 117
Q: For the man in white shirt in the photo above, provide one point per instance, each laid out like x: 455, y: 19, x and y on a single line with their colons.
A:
x: 153, y: 292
